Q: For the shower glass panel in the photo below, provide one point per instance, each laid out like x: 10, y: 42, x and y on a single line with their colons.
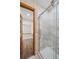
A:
x: 49, y: 33
x: 27, y: 31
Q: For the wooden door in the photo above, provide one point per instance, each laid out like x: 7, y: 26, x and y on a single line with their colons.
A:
x: 24, y: 50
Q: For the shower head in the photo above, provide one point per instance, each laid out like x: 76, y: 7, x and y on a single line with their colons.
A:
x: 54, y: 2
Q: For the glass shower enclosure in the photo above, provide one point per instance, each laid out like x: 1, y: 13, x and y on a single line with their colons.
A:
x: 48, y: 33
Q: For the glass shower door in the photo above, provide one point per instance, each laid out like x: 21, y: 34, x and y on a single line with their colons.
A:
x: 49, y: 37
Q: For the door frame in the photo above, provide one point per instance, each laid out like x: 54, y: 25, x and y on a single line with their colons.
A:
x: 26, y: 6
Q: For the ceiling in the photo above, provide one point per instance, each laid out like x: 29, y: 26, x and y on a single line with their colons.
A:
x: 41, y: 3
